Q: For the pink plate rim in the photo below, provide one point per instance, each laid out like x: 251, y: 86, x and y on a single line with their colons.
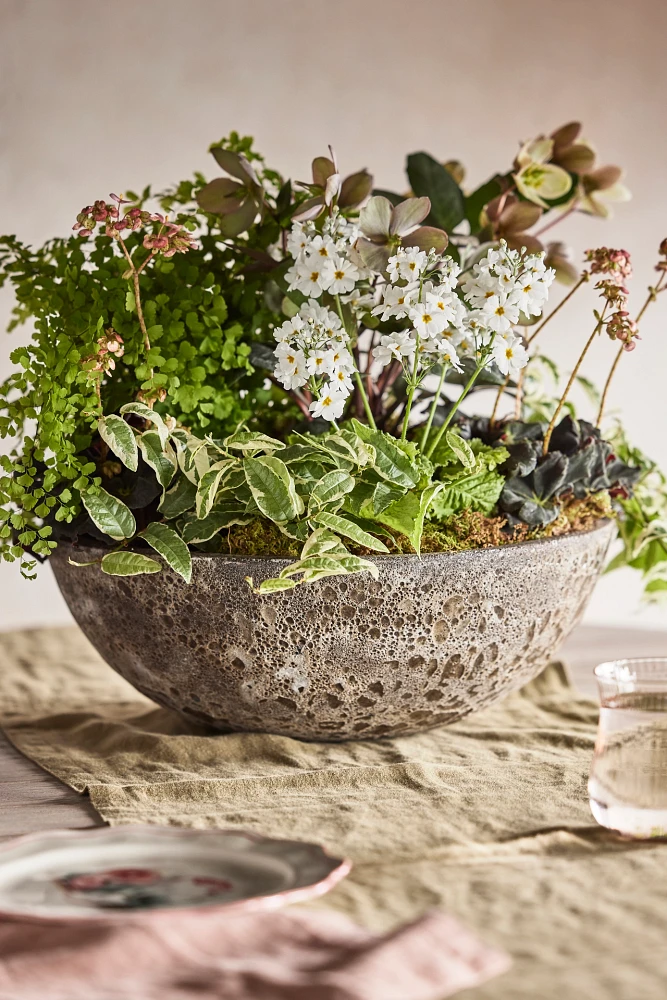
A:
x: 253, y: 904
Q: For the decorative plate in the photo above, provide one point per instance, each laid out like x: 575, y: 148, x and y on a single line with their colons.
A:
x: 113, y: 872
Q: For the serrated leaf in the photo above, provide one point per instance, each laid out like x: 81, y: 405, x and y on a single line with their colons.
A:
x: 171, y: 547
x: 273, y: 488
x: 407, y: 514
x: 120, y: 437
x: 473, y: 491
x: 129, y: 564
x: 161, y: 460
x: 332, y: 487
x: 342, y: 526
x: 110, y: 514
x: 179, y: 499
x: 145, y: 412
x: 391, y: 463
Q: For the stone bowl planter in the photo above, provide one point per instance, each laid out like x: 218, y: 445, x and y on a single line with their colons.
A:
x: 346, y: 658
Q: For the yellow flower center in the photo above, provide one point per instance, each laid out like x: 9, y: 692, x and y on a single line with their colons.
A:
x: 339, y: 275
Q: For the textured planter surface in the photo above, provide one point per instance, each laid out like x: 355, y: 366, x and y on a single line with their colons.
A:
x: 345, y: 658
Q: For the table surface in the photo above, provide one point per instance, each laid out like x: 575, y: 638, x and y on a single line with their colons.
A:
x: 33, y: 800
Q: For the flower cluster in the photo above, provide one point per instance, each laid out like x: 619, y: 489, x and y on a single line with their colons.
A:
x: 313, y: 351
x: 168, y: 240
x: 615, y: 267
x: 322, y: 260
x: 109, y: 347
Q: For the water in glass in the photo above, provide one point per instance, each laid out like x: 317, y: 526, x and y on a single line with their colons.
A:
x: 628, y: 782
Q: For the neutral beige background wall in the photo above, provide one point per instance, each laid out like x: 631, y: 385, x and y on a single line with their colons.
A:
x: 101, y: 96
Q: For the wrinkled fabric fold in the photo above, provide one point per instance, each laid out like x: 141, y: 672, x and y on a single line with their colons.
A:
x: 487, y: 819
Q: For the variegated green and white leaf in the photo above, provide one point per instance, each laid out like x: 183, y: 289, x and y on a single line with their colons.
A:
x: 120, y: 437
x: 197, y: 530
x: 171, y: 547
x: 110, y: 514
x: 177, y: 500
x: 322, y: 540
x: 209, y: 484
x: 343, y: 526
x: 273, y: 488
x: 193, y: 459
x: 129, y: 564
x: 271, y: 586
x: 391, y: 462
x: 250, y: 441
x: 145, y: 412
x: 162, y: 460
x: 461, y: 449
x: 331, y: 488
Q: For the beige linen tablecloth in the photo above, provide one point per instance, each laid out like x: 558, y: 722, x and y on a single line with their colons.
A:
x: 487, y: 819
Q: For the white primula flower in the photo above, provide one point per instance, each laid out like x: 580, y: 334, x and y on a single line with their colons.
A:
x: 407, y: 263
x: 322, y: 246
x: 342, y: 361
x: 427, y: 319
x: 339, y: 276
x: 448, y: 355
x: 289, y: 357
x: 530, y: 294
x: 394, y: 347
x: 320, y: 362
x: 449, y: 272
x: 298, y: 239
x: 395, y: 301
x: 342, y: 380
x: 284, y: 333
x: 320, y: 315
x: 465, y: 344
x: 331, y: 403
x: 442, y: 303
x: 500, y: 313
x: 310, y: 273
x: 291, y: 369
x: 509, y: 354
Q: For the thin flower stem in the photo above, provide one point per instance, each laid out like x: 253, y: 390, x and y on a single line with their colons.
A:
x: 559, y: 218
x: 561, y: 402
x: 518, y: 398
x: 137, y: 302
x: 582, y: 280
x: 651, y: 297
x: 434, y: 406
x: 357, y: 377
x: 471, y: 381
x: 411, y: 392
x: 501, y: 391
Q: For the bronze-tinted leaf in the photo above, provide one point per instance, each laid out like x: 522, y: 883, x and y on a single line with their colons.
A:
x: 373, y: 256
x: 578, y: 159
x: 309, y: 209
x: 249, y: 170
x: 323, y: 168
x: 427, y: 238
x: 230, y: 162
x: 375, y: 217
x: 407, y: 216
x: 565, y: 136
x: 602, y: 178
x: 239, y: 222
x: 221, y: 196
x: 355, y: 189
x: 558, y: 256
x: 456, y: 169
x: 515, y: 241
x: 519, y: 216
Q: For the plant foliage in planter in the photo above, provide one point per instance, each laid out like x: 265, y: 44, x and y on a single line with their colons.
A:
x: 291, y: 360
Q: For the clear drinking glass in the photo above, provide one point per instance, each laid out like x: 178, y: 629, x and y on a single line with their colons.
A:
x: 628, y: 783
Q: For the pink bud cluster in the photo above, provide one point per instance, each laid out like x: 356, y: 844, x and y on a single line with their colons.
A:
x: 168, y: 240
x: 616, y: 268
x: 109, y: 347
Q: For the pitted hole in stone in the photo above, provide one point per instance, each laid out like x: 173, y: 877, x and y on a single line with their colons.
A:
x: 268, y: 614
x: 453, y: 667
x: 287, y: 702
x: 347, y: 611
x: 328, y: 594
x: 365, y: 702
x: 416, y: 661
x: 479, y: 661
x: 530, y: 632
x: 238, y: 663
x: 357, y: 596
x: 406, y: 606
x: 440, y: 631
x: 374, y: 633
x: 333, y: 701
x: 376, y: 687
x: 432, y: 667
x: 453, y: 605
x: 500, y: 611
x: 492, y: 652
x: 176, y: 693
x: 434, y: 695
x: 482, y: 626
x: 375, y: 602
x: 385, y: 621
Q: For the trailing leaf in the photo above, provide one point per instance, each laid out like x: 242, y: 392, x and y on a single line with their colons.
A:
x: 171, y: 547
x: 128, y: 564
x: 330, y: 489
x: 179, y: 499
x: 161, y: 459
x: 347, y: 528
x: 273, y: 489
x: 391, y: 462
x: 145, y: 412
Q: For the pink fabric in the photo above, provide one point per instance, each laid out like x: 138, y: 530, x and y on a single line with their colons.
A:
x: 293, y: 955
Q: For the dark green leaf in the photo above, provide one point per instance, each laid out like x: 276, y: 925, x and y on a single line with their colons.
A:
x: 429, y: 178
